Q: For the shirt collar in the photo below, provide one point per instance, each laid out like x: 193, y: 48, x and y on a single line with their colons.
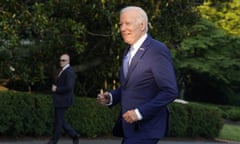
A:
x: 137, y: 45
x: 66, y: 66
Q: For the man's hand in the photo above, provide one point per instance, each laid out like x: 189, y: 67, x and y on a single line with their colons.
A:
x: 130, y: 116
x: 54, y: 87
x: 103, y: 98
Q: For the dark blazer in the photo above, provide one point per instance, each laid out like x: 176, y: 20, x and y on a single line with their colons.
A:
x: 149, y: 86
x: 63, y: 97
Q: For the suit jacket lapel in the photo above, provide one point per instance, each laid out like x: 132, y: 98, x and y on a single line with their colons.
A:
x: 135, y: 60
x: 144, y: 47
x: 122, y: 77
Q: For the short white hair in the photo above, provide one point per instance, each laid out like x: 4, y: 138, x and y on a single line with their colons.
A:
x: 142, y: 14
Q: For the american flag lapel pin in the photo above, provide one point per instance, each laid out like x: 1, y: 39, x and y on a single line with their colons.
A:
x: 141, y: 49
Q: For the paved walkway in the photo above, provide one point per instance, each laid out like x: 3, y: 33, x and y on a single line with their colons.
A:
x: 107, y: 141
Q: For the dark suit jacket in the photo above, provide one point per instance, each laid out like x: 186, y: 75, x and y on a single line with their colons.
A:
x: 63, y: 97
x: 149, y: 86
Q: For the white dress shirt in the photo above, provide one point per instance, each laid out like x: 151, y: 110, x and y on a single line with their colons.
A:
x: 135, y: 47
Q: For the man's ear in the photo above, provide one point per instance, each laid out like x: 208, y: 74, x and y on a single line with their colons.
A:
x: 143, y: 26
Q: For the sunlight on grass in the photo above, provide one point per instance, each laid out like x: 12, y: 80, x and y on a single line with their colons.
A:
x: 230, y: 132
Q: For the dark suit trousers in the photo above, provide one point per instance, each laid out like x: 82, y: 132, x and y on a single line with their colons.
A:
x: 137, y: 140
x: 60, y: 124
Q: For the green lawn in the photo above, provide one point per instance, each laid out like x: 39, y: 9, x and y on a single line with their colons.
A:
x: 230, y: 132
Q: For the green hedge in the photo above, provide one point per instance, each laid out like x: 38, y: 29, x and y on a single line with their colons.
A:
x: 231, y: 113
x: 24, y: 114
x: 195, y: 120
x: 32, y: 115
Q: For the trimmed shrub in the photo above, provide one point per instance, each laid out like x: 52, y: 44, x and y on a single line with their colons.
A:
x: 32, y: 114
x: 90, y: 118
x: 195, y: 120
x: 233, y: 114
x: 24, y: 114
x: 178, y: 123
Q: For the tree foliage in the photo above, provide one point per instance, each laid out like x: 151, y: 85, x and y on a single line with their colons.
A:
x: 208, y: 62
x: 202, y: 36
x: 225, y: 15
x: 33, y: 36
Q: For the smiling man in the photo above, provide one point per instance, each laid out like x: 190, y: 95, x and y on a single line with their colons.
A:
x: 148, y: 83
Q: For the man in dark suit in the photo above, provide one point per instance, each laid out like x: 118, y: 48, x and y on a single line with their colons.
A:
x: 63, y: 99
x: 148, y: 83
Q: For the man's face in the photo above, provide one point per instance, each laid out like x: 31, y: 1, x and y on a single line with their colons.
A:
x: 131, y: 27
x: 64, y: 60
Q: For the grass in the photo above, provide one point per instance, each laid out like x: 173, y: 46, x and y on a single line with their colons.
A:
x: 230, y: 132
